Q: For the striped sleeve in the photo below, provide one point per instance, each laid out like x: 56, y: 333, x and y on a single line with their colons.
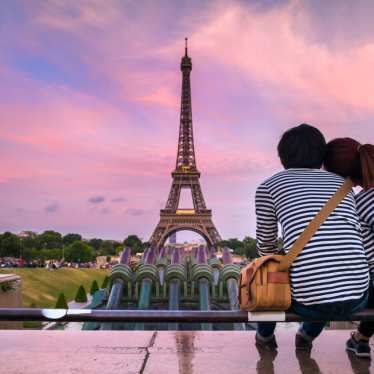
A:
x: 266, y: 226
x: 365, y: 210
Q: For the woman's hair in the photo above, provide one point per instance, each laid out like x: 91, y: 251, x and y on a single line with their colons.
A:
x: 348, y: 158
x: 302, y: 146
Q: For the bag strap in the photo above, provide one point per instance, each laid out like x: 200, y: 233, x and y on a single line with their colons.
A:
x: 314, y: 225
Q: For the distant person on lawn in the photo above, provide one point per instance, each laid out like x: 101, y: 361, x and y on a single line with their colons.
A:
x: 349, y: 158
x: 330, y: 277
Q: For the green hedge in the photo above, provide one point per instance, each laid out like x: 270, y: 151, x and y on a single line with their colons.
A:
x: 81, y: 296
x: 61, y: 302
x: 94, y: 287
x: 105, y: 282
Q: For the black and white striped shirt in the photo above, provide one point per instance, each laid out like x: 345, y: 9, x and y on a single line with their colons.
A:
x: 332, y: 266
x: 365, y: 210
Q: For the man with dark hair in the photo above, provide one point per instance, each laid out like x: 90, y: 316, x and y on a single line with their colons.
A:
x: 329, y: 278
x: 303, y: 146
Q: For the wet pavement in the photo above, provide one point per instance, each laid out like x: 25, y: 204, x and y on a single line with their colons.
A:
x: 182, y: 352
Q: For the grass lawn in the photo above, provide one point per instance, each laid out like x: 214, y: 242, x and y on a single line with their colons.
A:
x: 43, y: 286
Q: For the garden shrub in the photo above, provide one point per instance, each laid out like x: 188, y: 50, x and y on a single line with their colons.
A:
x: 94, y: 287
x: 61, y: 302
x: 105, y: 282
x: 81, y: 296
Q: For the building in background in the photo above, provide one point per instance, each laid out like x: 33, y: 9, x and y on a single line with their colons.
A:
x: 27, y: 234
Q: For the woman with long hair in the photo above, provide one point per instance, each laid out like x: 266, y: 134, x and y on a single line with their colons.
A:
x: 350, y: 159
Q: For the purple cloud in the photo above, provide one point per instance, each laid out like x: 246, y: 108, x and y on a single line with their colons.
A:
x: 52, y: 208
x: 136, y: 212
x: 96, y: 199
x: 118, y: 200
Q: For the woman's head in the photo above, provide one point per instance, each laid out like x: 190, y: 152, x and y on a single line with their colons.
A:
x: 349, y: 158
x: 302, y: 146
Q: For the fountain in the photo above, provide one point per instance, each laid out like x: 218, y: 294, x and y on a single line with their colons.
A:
x: 173, y: 278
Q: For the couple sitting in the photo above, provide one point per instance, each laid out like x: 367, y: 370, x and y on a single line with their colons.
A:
x: 330, y: 277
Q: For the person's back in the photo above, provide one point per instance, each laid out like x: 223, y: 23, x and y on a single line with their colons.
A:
x: 329, y: 277
x: 332, y: 266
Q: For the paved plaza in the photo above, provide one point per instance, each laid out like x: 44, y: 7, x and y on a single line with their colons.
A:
x: 120, y: 352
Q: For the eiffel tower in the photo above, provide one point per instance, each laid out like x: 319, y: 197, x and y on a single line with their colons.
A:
x: 185, y: 175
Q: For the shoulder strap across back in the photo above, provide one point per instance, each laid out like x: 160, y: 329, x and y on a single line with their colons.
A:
x: 315, y: 224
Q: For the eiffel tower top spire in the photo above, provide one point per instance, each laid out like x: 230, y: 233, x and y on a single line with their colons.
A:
x: 186, y: 150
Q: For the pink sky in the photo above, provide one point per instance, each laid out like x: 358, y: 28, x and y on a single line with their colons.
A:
x: 90, y: 92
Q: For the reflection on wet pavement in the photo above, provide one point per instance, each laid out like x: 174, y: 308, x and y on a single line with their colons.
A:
x: 359, y: 365
x: 265, y: 365
x: 307, y: 364
x: 185, y: 351
x: 182, y: 352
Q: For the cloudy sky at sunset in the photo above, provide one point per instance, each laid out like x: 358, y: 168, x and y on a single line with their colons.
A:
x: 90, y: 91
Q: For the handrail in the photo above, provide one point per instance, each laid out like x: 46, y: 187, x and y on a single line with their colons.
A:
x: 103, y: 315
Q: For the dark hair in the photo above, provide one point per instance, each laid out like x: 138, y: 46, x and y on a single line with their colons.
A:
x: 302, y: 146
x: 348, y: 158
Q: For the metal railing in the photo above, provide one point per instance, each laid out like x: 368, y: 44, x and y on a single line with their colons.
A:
x: 98, y: 315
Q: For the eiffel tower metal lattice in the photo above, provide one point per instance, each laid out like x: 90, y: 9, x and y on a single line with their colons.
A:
x: 185, y: 175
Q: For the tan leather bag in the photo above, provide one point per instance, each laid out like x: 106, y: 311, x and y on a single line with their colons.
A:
x: 264, y: 284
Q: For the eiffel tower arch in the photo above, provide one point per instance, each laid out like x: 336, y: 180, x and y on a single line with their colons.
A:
x: 185, y: 175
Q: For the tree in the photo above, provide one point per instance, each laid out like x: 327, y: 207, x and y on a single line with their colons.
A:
x: 81, y: 296
x: 54, y: 254
x: 46, y: 254
x: 134, y: 243
x: 79, y: 252
x: 107, y: 247
x: 250, y: 247
x: 235, y: 244
x: 95, y: 243
x: 280, y: 243
x: 118, y: 250
x: 145, y: 245
x: 61, y: 302
x: 10, y: 245
x: 94, y: 287
x: 27, y: 254
x: 29, y: 242
x: 105, y: 282
x: 70, y: 239
x: 247, y: 247
x: 50, y: 239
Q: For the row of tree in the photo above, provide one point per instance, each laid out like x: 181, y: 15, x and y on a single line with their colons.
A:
x: 72, y: 247
x: 52, y: 245
x: 246, y: 247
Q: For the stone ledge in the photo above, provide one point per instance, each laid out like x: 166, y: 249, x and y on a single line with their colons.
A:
x: 9, y: 278
x: 37, y: 352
